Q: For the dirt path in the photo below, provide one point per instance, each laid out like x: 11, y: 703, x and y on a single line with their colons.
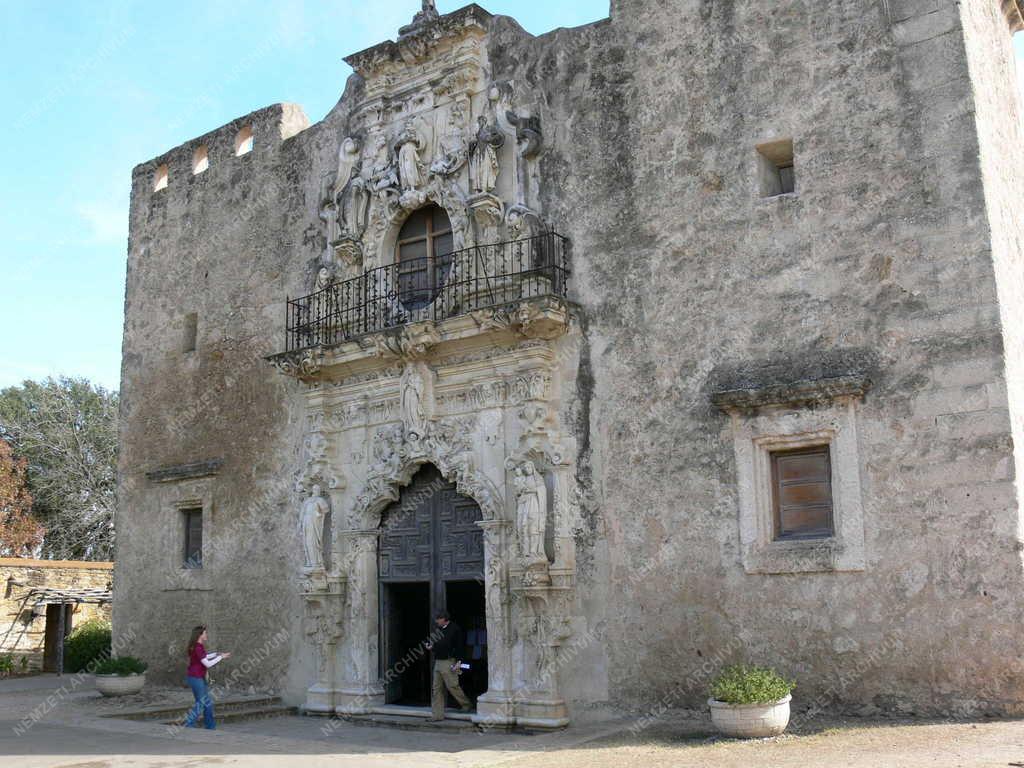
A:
x: 840, y: 745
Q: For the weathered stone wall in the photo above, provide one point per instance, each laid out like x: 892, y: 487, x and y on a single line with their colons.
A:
x: 221, y: 245
x: 682, y: 270
x: 22, y: 632
x: 998, y: 116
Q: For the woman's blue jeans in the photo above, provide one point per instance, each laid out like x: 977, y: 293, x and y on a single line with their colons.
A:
x: 204, y: 703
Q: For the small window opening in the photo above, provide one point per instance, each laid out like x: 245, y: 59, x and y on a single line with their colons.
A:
x: 191, y: 329
x: 424, y: 255
x: 160, y: 178
x: 193, y: 552
x: 775, y: 168
x: 243, y: 141
x: 200, y: 160
x: 802, y: 493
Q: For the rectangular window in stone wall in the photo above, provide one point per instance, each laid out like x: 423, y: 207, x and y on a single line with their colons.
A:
x: 798, y: 471
x: 802, y: 493
x: 193, y: 552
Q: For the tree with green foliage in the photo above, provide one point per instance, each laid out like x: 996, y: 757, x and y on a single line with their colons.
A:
x: 66, y: 429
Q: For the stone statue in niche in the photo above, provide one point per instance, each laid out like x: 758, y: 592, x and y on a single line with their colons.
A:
x: 348, y: 161
x: 314, y: 513
x: 483, y: 161
x: 453, y: 147
x: 528, y: 143
x: 531, y: 513
x: 324, y: 278
x: 409, y: 144
x: 383, y: 174
x: 413, y: 414
x: 329, y: 216
x: 354, y: 206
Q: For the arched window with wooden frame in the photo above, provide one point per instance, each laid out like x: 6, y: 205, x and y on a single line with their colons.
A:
x: 424, y: 256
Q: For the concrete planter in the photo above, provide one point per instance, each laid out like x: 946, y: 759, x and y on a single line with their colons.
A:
x: 120, y: 685
x: 750, y: 721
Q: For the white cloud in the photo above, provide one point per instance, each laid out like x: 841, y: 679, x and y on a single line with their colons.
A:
x: 107, y: 220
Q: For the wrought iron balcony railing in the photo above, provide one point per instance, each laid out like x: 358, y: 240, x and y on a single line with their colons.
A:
x: 420, y: 289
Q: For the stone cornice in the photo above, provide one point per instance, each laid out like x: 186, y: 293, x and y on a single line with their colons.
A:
x: 541, y: 318
x: 191, y: 471
x: 450, y: 25
x: 820, y: 391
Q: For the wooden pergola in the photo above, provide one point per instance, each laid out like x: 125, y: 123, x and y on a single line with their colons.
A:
x: 40, y: 596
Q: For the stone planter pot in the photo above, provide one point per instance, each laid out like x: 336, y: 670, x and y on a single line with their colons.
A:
x: 750, y: 721
x: 118, y: 685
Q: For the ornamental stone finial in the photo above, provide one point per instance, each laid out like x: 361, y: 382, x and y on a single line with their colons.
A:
x: 428, y: 13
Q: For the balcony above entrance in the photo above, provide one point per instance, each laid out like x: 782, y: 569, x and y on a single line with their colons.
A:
x: 515, y: 286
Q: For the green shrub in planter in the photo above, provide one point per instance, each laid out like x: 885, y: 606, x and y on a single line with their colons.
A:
x: 6, y: 664
x: 121, y: 666
x: 88, y: 642
x: 742, y: 684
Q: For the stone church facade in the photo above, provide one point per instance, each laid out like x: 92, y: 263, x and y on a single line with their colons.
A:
x: 687, y: 336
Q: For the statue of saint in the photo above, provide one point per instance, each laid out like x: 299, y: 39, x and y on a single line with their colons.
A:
x: 531, y: 511
x: 354, y: 205
x: 314, y: 512
x: 409, y: 145
x: 412, y: 401
x: 383, y: 176
x: 348, y: 159
x: 453, y: 147
x: 483, y: 161
x: 323, y: 278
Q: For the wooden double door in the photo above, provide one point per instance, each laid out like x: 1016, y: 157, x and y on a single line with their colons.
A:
x: 430, y: 558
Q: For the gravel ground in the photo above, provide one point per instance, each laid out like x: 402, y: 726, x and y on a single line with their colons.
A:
x: 71, y: 732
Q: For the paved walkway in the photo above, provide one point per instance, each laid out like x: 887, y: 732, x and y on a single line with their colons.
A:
x: 64, y: 730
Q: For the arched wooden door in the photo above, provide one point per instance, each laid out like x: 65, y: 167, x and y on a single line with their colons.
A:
x: 430, y: 558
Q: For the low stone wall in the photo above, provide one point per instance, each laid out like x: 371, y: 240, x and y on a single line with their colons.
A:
x: 22, y: 632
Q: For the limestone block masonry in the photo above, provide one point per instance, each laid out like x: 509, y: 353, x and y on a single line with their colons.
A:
x: 610, y: 419
x: 23, y: 626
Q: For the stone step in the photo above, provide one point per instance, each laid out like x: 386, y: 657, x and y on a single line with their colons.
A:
x: 241, y: 715
x: 413, y: 723
x: 220, y: 706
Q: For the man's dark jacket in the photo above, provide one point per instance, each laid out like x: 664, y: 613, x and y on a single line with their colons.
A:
x: 450, y: 643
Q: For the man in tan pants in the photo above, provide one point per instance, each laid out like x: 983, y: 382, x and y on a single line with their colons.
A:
x: 447, y: 648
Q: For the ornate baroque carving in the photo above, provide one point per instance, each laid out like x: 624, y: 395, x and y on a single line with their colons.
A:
x: 447, y: 444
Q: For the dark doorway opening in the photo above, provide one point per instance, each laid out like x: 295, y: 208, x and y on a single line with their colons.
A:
x: 465, y: 602
x: 407, y: 623
x: 51, y: 638
x: 430, y: 557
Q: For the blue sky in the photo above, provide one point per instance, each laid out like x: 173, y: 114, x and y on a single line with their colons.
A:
x: 90, y: 89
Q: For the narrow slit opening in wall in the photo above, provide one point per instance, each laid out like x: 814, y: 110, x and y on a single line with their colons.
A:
x: 160, y: 178
x: 776, y: 172
x: 200, y: 160
x: 190, y: 332
x: 244, y: 141
x: 192, y: 554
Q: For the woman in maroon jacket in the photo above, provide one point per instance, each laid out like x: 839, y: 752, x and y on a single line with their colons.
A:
x: 198, y: 662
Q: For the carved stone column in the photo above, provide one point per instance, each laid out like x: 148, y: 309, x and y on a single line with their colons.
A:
x: 543, y: 630
x: 324, y: 621
x: 495, y: 707
x: 361, y: 688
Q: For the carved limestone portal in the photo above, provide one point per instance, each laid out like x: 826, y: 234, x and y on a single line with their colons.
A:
x: 474, y: 399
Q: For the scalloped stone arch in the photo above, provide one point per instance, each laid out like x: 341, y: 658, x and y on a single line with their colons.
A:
x: 461, y: 235
x: 381, y: 490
